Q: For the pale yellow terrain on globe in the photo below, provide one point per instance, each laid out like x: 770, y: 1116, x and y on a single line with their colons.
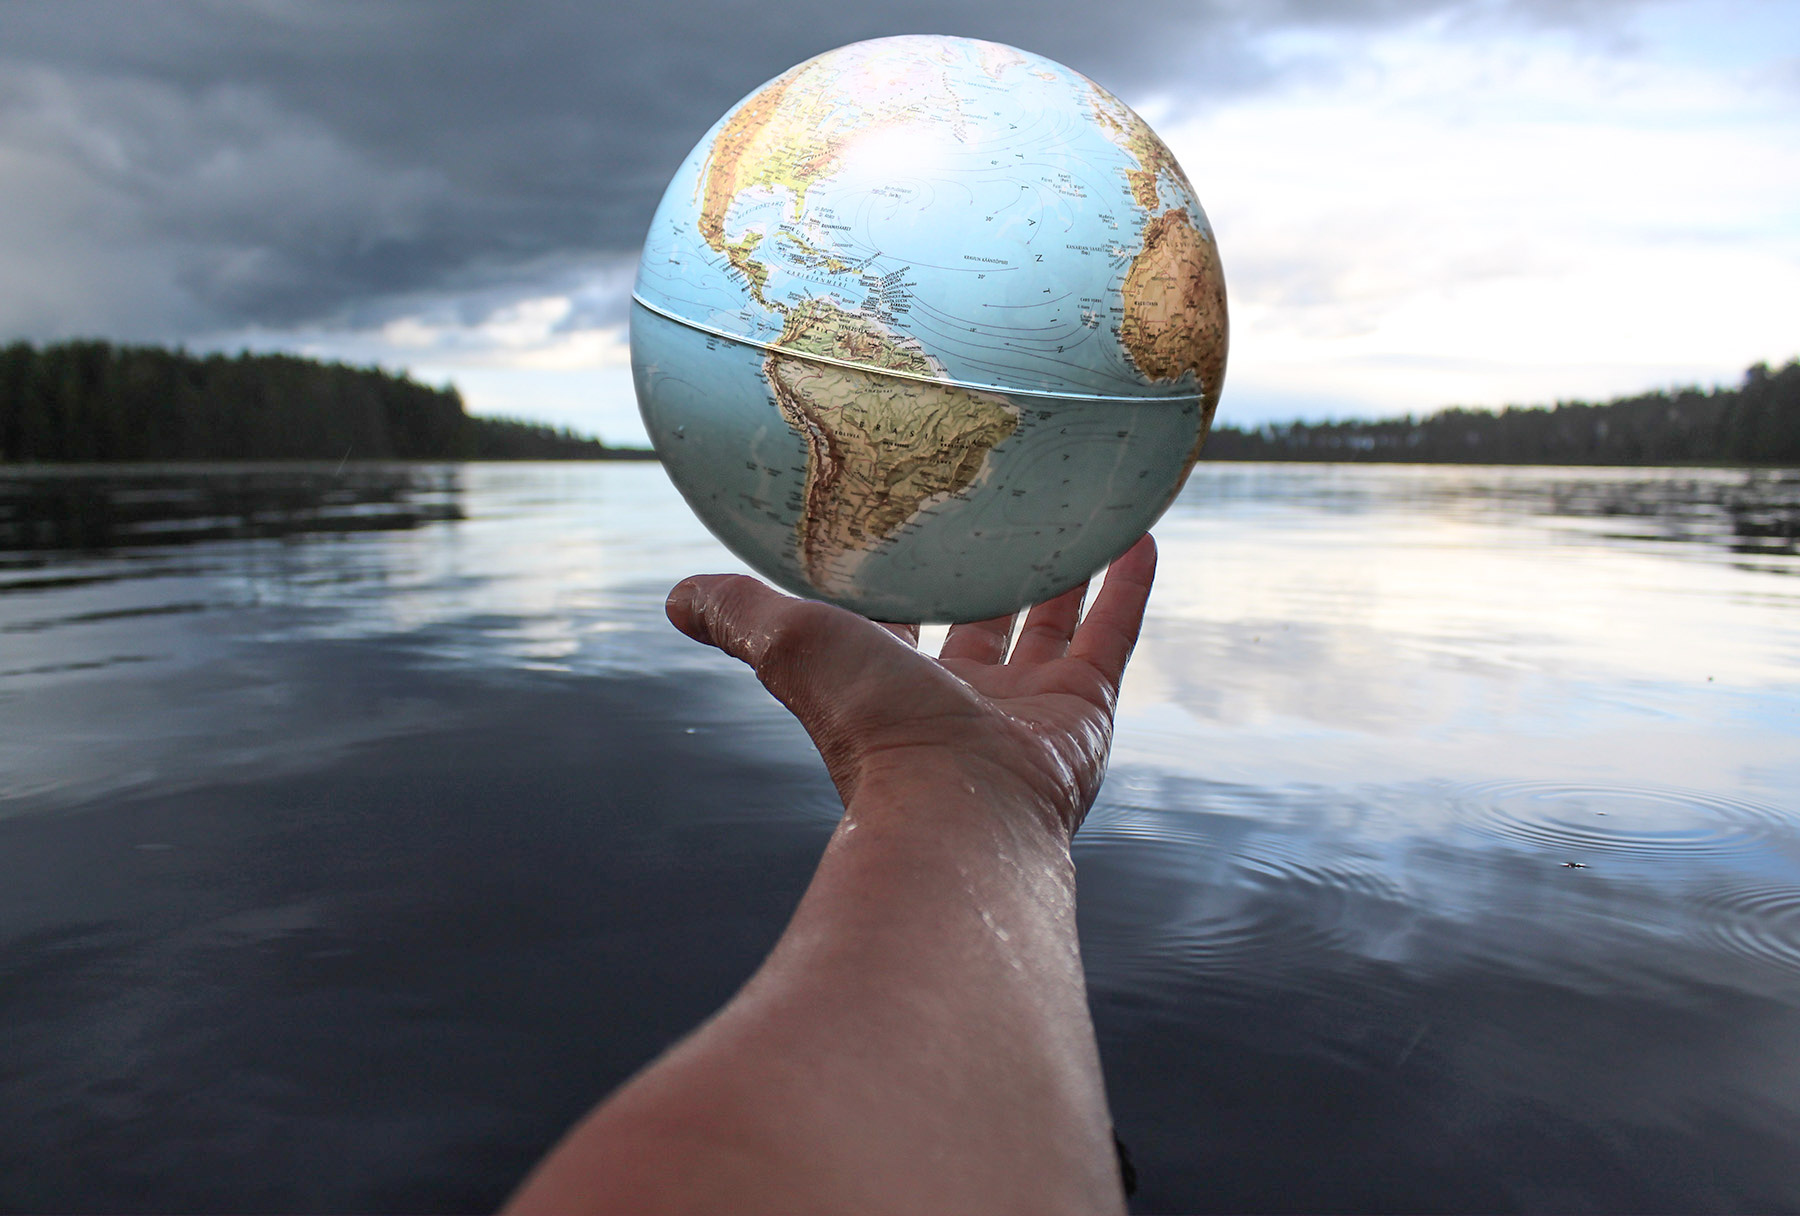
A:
x: 880, y: 447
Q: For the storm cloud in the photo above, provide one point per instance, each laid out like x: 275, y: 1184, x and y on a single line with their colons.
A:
x: 175, y: 170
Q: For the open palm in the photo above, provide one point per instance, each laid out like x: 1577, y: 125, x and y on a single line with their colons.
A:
x: 1039, y: 719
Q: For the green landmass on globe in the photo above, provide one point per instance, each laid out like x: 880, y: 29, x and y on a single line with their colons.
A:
x: 929, y: 327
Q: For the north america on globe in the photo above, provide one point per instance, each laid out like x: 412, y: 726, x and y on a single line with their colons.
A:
x: 929, y: 327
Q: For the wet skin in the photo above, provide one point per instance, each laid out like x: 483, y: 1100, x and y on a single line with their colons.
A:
x: 919, y: 1038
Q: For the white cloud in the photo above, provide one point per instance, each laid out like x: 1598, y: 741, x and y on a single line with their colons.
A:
x: 595, y: 401
x: 1437, y: 221
x: 1449, y: 211
x: 530, y: 333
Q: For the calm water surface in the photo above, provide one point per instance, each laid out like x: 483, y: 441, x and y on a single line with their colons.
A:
x: 360, y: 827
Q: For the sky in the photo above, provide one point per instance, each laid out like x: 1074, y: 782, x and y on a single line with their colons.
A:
x: 1418, y: 203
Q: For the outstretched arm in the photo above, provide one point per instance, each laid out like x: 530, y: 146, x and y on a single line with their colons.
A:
x: 919, y: 1038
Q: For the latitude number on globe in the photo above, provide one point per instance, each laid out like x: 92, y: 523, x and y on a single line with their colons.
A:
x: 929, y: 327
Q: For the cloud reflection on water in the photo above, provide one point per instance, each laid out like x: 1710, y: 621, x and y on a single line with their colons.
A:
x: 1310, y: 624
x: 270, y: 774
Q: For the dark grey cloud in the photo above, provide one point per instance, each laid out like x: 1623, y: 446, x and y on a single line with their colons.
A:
x: 183, y: 167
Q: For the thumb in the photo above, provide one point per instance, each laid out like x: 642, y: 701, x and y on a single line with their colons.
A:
x: 739, y: 615
x: 842, y: 676
x: 804, y: 652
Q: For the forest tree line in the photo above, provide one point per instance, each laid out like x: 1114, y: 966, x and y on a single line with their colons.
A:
x: 1756, y: 423
x: 94, y: 401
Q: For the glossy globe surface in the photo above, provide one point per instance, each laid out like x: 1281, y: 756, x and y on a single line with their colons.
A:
x: 929, y: 327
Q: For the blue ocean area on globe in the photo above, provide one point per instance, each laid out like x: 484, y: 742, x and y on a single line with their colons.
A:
x: 929, y: 327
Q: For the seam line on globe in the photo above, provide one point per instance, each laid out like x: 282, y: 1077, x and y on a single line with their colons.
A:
x: 972, y: 386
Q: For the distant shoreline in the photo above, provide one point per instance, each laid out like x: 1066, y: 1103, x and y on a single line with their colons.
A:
x: 253, y: 464
x: 308, y: 464
x: 1754, y: 425
x: 1402, y: 462
x: 649, y: 456
x: 95, y: 403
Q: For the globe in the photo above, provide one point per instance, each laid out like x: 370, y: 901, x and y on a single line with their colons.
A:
x: 929, y: 327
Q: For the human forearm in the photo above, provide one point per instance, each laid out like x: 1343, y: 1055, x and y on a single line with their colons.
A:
x: 942, y: 925
x: 919, y: 1039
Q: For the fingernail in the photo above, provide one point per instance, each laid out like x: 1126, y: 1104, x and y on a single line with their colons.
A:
x: 682, y: 612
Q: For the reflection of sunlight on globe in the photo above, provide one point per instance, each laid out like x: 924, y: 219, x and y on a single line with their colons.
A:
x: 929, y: 327
x: 901, y: 148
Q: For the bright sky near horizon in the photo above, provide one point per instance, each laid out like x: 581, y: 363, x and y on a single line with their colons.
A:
x: 1418, y: 202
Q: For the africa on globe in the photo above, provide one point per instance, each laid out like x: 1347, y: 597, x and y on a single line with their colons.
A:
x: 929, y: 327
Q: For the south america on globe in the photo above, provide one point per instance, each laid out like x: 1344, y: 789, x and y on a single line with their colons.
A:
x: 929, y: 327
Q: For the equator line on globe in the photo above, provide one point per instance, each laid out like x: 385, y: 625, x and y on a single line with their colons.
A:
x: 929, y: 327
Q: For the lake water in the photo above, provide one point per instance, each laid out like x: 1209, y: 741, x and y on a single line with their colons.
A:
x: 360, y: 827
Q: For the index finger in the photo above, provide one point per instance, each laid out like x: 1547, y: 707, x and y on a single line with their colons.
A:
x: 1107, y: 634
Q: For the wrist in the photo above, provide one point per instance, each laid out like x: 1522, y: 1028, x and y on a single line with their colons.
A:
x: 927, y: 791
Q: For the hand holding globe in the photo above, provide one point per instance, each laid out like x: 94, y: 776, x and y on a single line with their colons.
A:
x: 930, y: 328
x: 926, y: 1003
x: 933, y: 329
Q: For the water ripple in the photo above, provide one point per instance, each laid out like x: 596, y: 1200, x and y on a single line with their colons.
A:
x: 1184, y: 895
x: 1758, y: 922
x: 1626, y: 821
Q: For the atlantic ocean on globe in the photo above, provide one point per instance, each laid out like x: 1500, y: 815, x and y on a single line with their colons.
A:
x: 929, y: 327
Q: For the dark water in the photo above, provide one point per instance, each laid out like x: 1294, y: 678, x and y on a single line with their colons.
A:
x: 360, y: 827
